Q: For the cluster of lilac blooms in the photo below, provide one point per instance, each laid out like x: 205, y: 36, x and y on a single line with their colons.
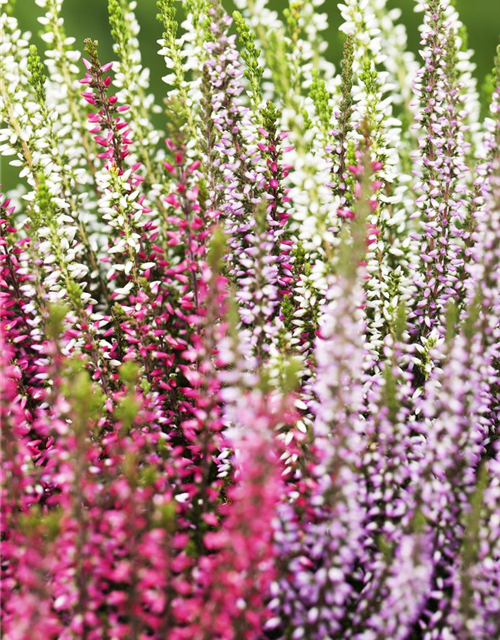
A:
x: 250, y: 333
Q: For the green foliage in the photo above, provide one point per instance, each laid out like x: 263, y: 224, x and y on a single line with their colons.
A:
x: 148, y: 475
x: 117, y: 21
x: 127, y: 410
x: 261, y: 217
x: 419, y: 522
x: 473, y: 523
x: 217, y: 250
x: 270, y: 119
x: 165, y: 517
x: 491, y: 82
x: 400, y: 322
x: 45, y: 523
x: 10, y: 7
x: 470, y: 323
x: 91, y: 49
x: 250, y: 54
x: 496, y: 67
x: 43, y: 211
x: 386, y: 547
x: 280, y: 69
x: 290, y: 375
x: 129, y: 373
x: 233, y: 316
x: 37, y: 76
x: 299, y: 258
x: 452, y: 316
x: 471, y: 541
x: 57, y: 315
x: 128, y: 406
x: 353, y: 238
x: 166, y: 15
x: 346, y: 103
x: 292, y: 17
x: 287, y: 313
x: 321, y: 98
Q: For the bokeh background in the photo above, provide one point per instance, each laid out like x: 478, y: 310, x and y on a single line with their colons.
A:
x: 89, y: 18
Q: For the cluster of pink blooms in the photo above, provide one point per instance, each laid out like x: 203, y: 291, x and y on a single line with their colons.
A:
x: 201, y: 438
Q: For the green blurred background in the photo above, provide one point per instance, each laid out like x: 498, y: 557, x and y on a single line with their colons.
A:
x: 88, y: 18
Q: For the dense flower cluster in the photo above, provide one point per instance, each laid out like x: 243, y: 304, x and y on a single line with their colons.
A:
x: 251, y: 362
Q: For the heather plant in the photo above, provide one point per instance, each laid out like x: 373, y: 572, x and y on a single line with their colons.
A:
x: 250, y: 329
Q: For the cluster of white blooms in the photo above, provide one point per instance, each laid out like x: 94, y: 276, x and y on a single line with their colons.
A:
x: 16, y: 139
x: 194, y: 34
x: 34, y: 137
x: 183, y: 57
x: 373, y: 115
x: 64, y: 95
x: 120, y: 209
x: 311, y: 44
x: 398, y: 61
x: 68, y: 111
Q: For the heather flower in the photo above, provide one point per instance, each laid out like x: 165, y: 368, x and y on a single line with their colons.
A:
x: 236, y: 579
x: 64, y: 71
x: 442, y: 173
x: 249, y: 376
